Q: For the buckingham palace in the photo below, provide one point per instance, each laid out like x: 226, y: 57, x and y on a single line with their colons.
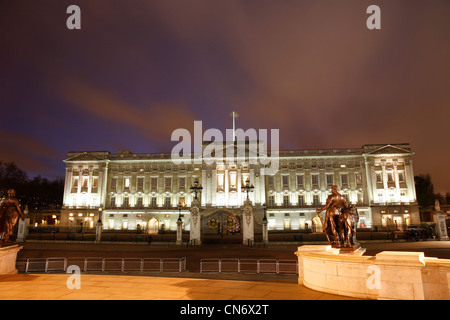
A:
x: 149, y: 193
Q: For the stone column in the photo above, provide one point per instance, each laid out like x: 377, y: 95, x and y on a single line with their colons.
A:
x: 441, y: 225
x: 195, y: 222
x: 23, y: 226
x: 98, y: 231
x: 179, y: 232
x: 248, y: 224
x: 265, y: 232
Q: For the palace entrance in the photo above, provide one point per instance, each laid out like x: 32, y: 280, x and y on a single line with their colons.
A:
x: 221, y: 226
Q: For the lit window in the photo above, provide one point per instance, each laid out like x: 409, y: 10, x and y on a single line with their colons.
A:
x: 126, y: 182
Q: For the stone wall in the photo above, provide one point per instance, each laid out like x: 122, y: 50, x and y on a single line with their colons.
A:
x: 387, y: 275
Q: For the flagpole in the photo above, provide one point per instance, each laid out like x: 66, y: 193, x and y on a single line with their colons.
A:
x: 234, y: 134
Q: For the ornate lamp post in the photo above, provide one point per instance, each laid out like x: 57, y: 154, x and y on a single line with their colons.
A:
x: 248, y: 217
x: 265, y: 230
x: 196, y: 189
x: 99, y: 226
x: 195, y: 217
x: 247, y: 187
x: 179, y: 211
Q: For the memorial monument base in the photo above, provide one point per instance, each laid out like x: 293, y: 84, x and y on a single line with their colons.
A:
x: 387, y: 275
x: 8, y: 257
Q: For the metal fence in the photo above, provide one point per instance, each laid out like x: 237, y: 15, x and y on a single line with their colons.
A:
x: 256, y: 266
x: 99, y: 264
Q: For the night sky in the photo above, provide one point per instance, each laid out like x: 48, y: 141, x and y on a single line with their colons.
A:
x: 137, y: 70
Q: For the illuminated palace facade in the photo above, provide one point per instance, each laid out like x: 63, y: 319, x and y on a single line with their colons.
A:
x: 144, y: 191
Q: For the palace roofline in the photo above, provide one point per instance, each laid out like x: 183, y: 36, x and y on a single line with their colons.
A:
x: 367, y: 149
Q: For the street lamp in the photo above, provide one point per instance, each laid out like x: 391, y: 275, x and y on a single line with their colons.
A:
x: 265, y: 210
x: 179, y: 211
x: 99, y: 215
x: 247, y: 187
x: 196, y: 188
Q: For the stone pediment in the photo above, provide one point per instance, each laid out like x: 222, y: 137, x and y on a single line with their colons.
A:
x: 87, y: 156
x: 389, y: 149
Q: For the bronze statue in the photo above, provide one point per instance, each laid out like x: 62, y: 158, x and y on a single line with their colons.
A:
x: 335, y: 202
x: 9, y: 214
x: 348, y: 221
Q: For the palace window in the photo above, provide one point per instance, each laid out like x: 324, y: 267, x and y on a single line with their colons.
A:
x: 232, y: 180
x: 126, y: 202
x: 270, y: 181
x: 358, y: 178
x: 286, y: 200
x: 153, y: 202
x: 401, y: 177
x: 344, y: 179
x: 315, y: 199
x: 113, y: 201
x: 167, y: 202
x: 154, y: 183
x: 390, y: 177
x: 315, y: 180
x: 139, y: 202
x: 271, y: 201
x: 95, y: 183
x: 329, y: 179
x: 285, y: 181
x: 126, y: 183
x: 113, y: 183
x: 168, y: 183
x: 300, y: 180
x: 379, y: 177
x: 220, y: 178
x: 182, y: 181
x: 301, y: 200
x: 140, y: 184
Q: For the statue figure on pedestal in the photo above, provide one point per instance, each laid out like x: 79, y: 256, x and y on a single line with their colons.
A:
x: 348, y: 220
x: 9, y: 213
x: 335, y: 203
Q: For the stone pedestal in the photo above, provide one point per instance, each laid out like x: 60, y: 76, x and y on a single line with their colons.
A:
x: 248, y: 224
x: 265, y: 233
x: 195, y: 223
x: 98, y: 231
x: 441, y: 226
x: 8, y: 257
x: 22, y: 230
x: 179, y: 232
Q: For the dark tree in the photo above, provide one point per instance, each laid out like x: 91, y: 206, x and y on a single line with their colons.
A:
x: 38, y: 193
x: 11, y: 177
x: 424, y: 190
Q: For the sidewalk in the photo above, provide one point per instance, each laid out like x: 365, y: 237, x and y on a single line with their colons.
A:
x: 109, y: 287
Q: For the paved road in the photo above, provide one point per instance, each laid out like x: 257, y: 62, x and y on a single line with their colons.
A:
x: 439, y: 249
